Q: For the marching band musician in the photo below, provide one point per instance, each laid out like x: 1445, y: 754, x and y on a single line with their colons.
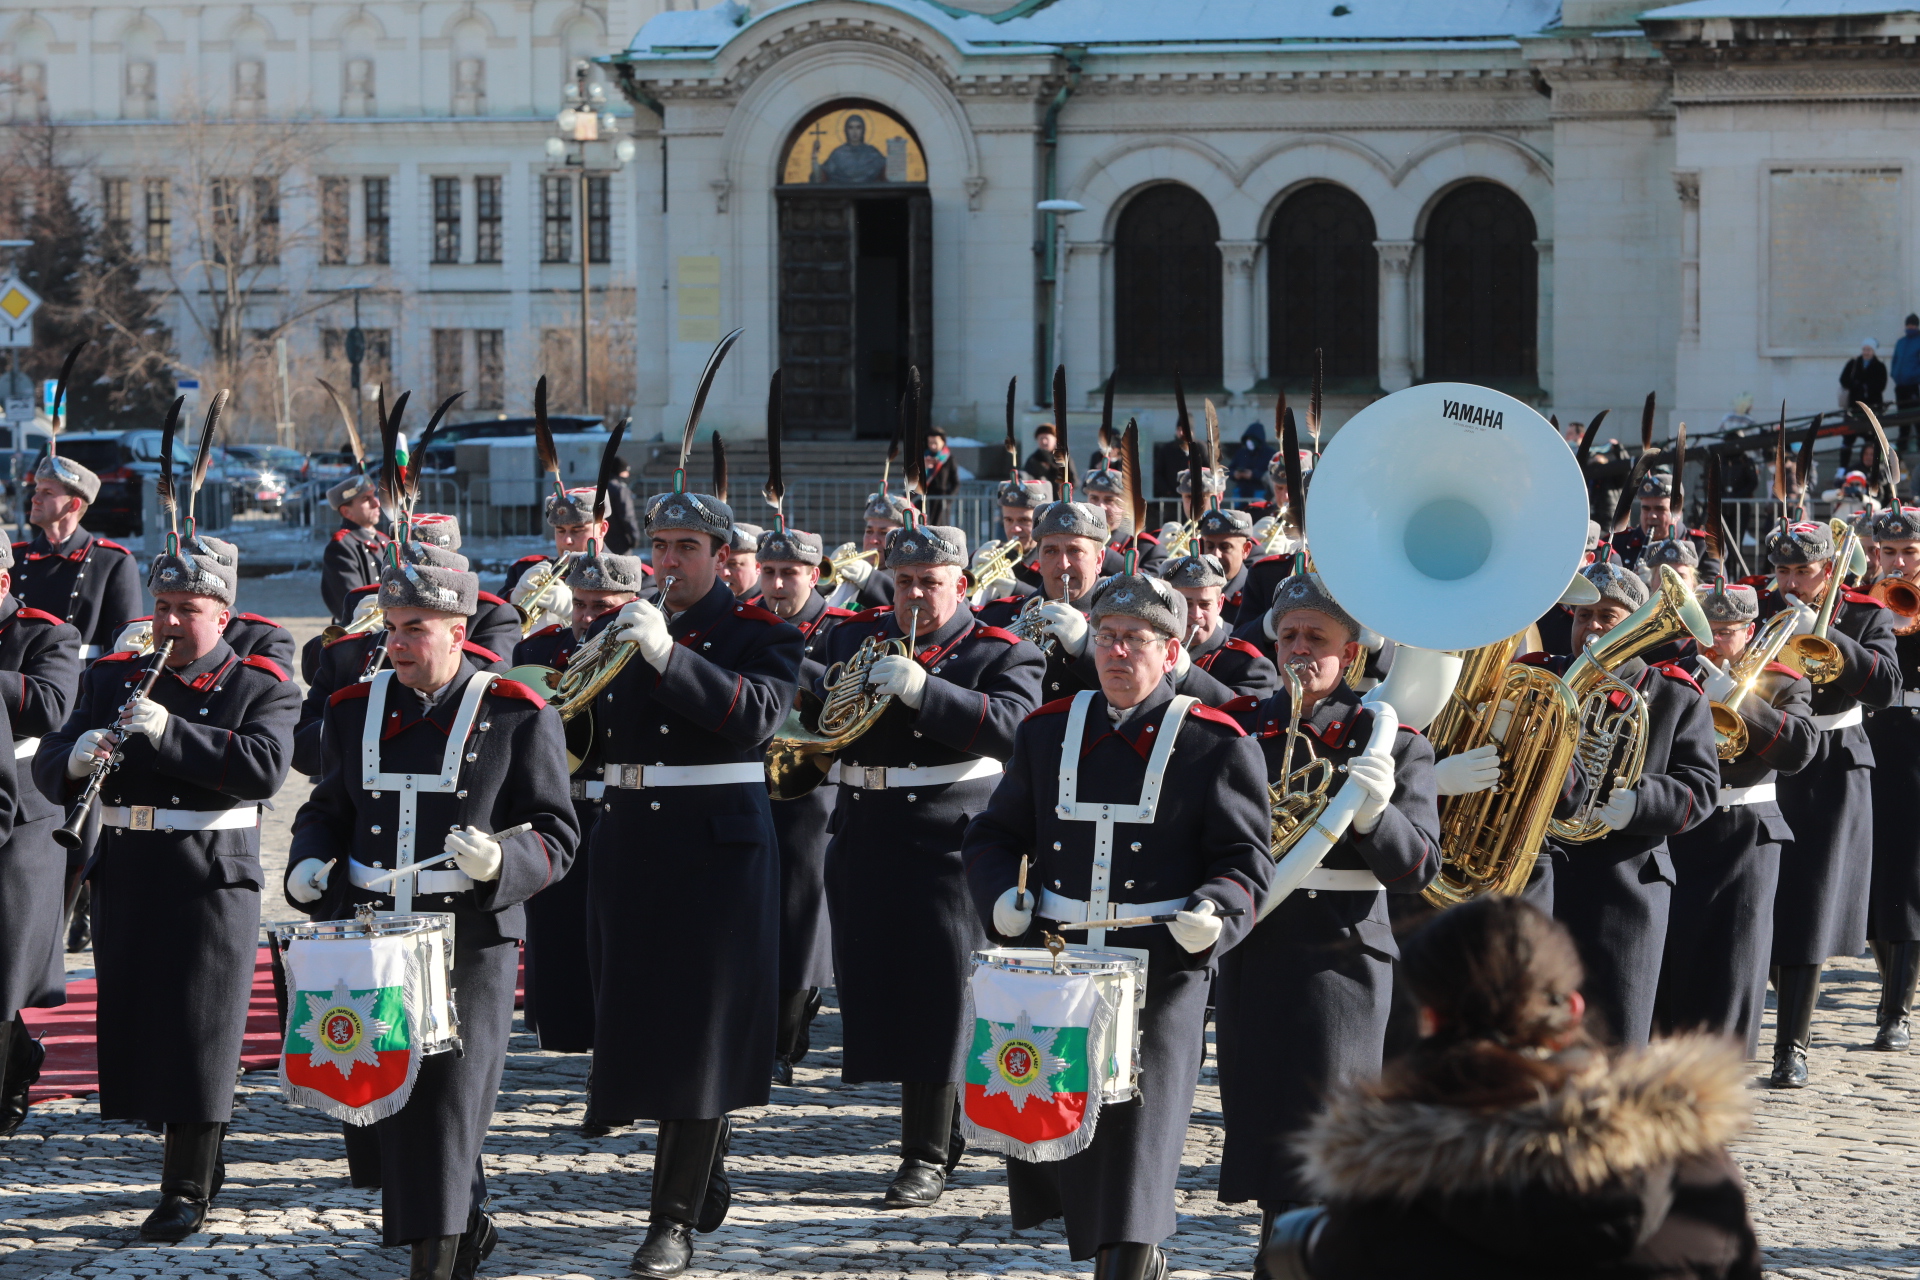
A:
x: 1303, y: 1002
x: 88, y: 582
x: 1203, y: 851
x: 176, y: 885
x: 559, y: 982
x: 352, y: 558
x: 908, y: 787
x: 1106, y: 488
x: 247, y: 634
x: 789, y: 573
x: 1720, y: 932
x: 571, y: 516
x: 741, y: 572
x: 860, y: 585
x: 1209, y: 642
x: 1020, y: 498
x: 686, y: 824
x: 1227, y: 535
x: 39, y: 675
x: 1659, y: 522
x: 494, y: 626
x: 1615, y: 892
x: 438, y: 744
x: 1072, y: 539
x: 1826, y: 873
x: 1893, y: 917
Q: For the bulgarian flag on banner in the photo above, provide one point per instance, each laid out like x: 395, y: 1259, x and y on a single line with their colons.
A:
x: 352, y: 1046
x: 1039, y: 1058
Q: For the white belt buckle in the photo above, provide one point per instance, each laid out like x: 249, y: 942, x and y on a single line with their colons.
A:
x: 140, y: 817
x: 876, y: 777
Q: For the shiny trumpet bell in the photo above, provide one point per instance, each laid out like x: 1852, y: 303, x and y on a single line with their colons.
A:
x: 1447, y: 516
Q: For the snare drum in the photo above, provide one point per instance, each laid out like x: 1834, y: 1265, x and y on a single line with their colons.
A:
x: 1054, y: 1040
x: 367, y: 999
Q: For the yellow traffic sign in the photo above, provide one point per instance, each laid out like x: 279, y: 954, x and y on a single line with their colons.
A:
x: 17, y: 302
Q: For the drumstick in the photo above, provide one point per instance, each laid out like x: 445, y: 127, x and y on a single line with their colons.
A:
x: 1020, y: 889
x: 1129, y: 922
x: 437, y: 859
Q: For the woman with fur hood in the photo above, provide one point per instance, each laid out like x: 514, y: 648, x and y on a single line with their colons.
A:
x: 1506, y: 1143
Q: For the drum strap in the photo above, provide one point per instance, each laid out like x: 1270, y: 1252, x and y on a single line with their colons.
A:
x: 410, y: 785
x: 1105, y: 816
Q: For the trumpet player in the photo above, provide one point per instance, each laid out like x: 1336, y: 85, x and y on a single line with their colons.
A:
x: 1615, y: 893
x: 1019, y: 498
x: 789, y: 579
x: 1209, y: 644
x: 741, y: 572
x: 176, y: 880
x: 1106, y: 489
x: 686, y: 832
x: 1303, y: 1001
x: 575, y: 524
x: 352, y: 558
x: 1893, y: 916
x: 907, y: 788
x: 1203, y: 852
x: 860, y: 585
x: 1660, y: 521
x: 1826, y: 873
x: 1720, y: 933
x: 1072, y: 538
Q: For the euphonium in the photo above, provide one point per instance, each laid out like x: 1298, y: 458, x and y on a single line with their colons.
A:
x: 1612, y: 748
x: 1729, y: 730
x: 798, y: 757
x: 1901, y: 596
x: 1814, y: 656
x: 1031, y: 627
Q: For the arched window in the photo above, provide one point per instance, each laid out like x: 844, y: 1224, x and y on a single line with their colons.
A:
x: 1482, y: 292
x: 1166, y: 270
x: 1323, y: 287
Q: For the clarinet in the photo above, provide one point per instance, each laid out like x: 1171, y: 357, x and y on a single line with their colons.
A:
x: 68, y: 837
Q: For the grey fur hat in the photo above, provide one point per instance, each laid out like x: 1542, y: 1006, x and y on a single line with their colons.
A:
x: 349, y: 489
x: 924, y: 545
x: 1656, y: 484
x: 1896, y: 524
x: 219, y: 549
x: 1076, y: 519
x: 426, y: 586
x: 1616, y: 584
x: 1216, y: 482
x: 571, y: 509
x: 427, y: 554
x: 1226, y: 522
x: 1808, y: 542
x: 1103, y: 480
x: 690, y: 512
x: 888, y: 506
x: 1306, y: 591
x: 442, y: 531
x: 791, y: 546
x: 1723, y: 603
x: 200, y: 575
x: 1135, y: 595
x: 746, y: 537
x: 605, y: 571
x: 1025, y: 495
x: 78, y: 481
x: 1678, y: 552
x: 1195, y: 571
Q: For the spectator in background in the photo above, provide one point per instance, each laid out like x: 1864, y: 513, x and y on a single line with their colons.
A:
x: 1041, y: 464
x: 623, y: 529
x: 1864, y: 379
x: 1247, y: 469
x: 1906, y: 376
x: 943, y: 476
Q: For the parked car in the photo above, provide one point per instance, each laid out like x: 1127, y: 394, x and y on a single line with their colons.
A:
x: 128, y: 463
x: 259, y: 475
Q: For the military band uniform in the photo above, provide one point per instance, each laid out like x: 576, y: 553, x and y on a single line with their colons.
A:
x: 1264, y: 575
x: 1235, y: 663
x: 350, y: 563
x: 494, y: 626
x: 1893, y: 910
x: 1066, y: 674
x: 1207, y: 840
x: 1302, y: 1004
x: 349, y: 660
x: 512, y: 772
x: 89, y: 582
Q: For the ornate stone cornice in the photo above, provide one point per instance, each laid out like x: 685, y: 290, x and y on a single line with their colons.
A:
x: 1789, y: 82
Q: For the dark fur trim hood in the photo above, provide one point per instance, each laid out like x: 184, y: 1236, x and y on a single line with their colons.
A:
x: 1618, y: 1117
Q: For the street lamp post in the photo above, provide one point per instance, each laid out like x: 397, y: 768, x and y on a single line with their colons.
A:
x: 1061, y: 211
x: 585, y: 120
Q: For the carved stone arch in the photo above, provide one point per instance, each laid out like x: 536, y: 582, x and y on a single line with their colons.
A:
x: 1480, y: 270
x: 29, y: 34
x: 746, y: 60
x: 1429, y: 173
x: 1284, y: 167
x: 139, y: 26
x: 1109, y: 182
x: 1168, y: 288
x: 361, y: 17
x: 465, y: 14
x: 571, y: 18
x: 250, y: 17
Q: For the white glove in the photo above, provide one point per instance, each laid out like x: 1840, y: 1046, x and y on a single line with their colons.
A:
x: 1261, y: 528
x: 81, y: 759
x: 1169, y: 531
x: 530, y: 582
x: 308, y: 880
x: 1067, y: 625
x: 1373, y: 775
x: 900, y: 676
x: 857, y: 572
x: 475, y: 852
x: 1010, y: 921
x: 1198, y: 929
x: 1804, y: 616
x: 980, y: 557
x: 1371, y: 639
x: 1182, y: 664
x: 642, y: 623
x: 1469, y: 771
x: 1618, y: 811
x: 368, y: 603
x: 147, y: 717
x: 133, y: 637
x: 560, y: 604
x: 1716, y: 681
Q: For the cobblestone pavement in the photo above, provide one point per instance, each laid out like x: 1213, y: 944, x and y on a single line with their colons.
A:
x: 1829, y: 1170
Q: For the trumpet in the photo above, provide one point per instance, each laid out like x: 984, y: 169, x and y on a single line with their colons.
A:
x: 1901, y: 596
x: 1729, y: 730
x: 374, y: 619
x: 538, y: 603
x: 993, y: 563
x: 1031, y: 627
x: 1814, y: 656
x: 1181, y: 543
x: 844, y: 555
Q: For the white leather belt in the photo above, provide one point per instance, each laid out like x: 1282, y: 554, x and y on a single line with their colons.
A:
x: 144, y: 817
x: 24, y: 749
x: 1761, y: 794
x: 432, y: 880
x: 882, y: 777
x: 1074, y: 911
x: 581, y: 790
x: 1351, y: 880
x: 1840, y: 719
x: 642, y: 777
x: 1909, y: 698
x: 88, y: 652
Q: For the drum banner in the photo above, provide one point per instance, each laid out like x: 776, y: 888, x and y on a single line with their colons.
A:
x: 353, y: 1041
x: 1040, y: 1057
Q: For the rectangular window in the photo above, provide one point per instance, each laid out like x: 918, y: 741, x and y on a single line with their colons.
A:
x: 159, y: 221
x: 116, y: 200
x: 486, y: 225
x: 223, y: 196
x: 446, y: 219
x: 599, y: 219
x: 447, y: 362
x: 556, y: 241
x: 490, y: 355
x: 336, y: 219
x: 379, y: 221
x: 374, y: 364
x: 265, y: 216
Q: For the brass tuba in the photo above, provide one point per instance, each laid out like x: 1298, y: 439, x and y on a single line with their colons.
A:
x: 798, y: 757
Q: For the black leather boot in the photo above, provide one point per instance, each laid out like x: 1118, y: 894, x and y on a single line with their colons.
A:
x: 1285, y: 1244
x: 1797, y: 987
x: 1897, y: 978
x: 20, y: 1059
x: 80, y: 923
x: 681, y: 1169
x: 794, y: 1036
x: 188, y: 1180
x: 719, y: 1197
x: 434, y: 1258
x: 1129, y: 1261
x: 930, y: 1144
x: 475, y: 1247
